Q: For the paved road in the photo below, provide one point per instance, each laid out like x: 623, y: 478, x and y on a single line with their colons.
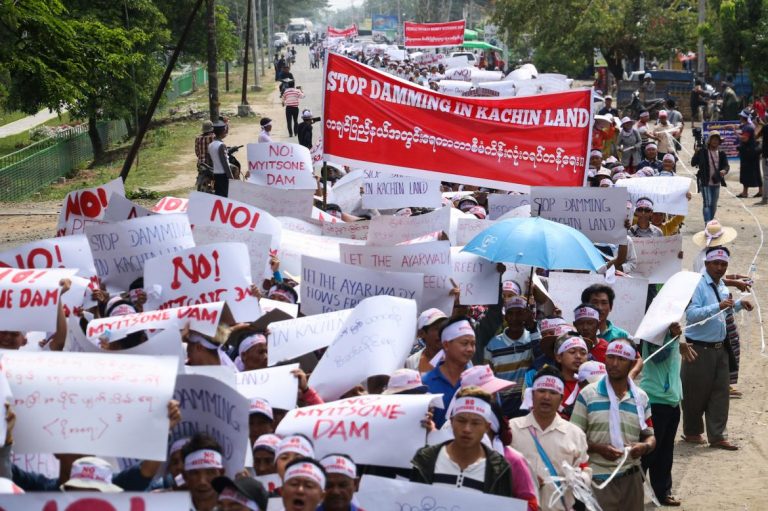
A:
x: 310, y: 81
x: 27, y: 123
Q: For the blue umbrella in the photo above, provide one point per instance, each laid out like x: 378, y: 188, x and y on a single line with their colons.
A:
x: 536, y: 242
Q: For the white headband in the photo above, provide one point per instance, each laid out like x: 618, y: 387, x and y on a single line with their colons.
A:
x: 204, y: 458
x: 472, y: 405
x: 196, y: 338
x: 511, y: 285
x: 282, y: 292
x: 178, y: 445
x: 456, y: 330
x: 621, y: 349
x: 717, y: 255
x: 572, y: 342
x: 551, y: 323
x: 249, y: 342
x: 516, y: 302
x: 306, y: 470
x: 590, y: 369
x: 339, y: 465
x: 544, y: 382
x: 233, y: 495
x: 585, y: 312
x: 267, y: 441
x: 296, y: 444
x: 261, y: 406
x: 644, y: 203
x: 91, y: 473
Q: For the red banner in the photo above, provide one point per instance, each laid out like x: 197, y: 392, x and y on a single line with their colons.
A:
x: 434, y: 35
x: 350, y: 31
x: 379, y: 122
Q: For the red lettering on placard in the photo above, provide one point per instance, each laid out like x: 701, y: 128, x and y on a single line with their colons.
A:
x: 238, y: 217
x: 200, y: 314
x: 280, y: 150
x: 280, y: 180
x: 201, y: 268
x: 329, y: 429
x: 86, y: 203
x: 35, y: 298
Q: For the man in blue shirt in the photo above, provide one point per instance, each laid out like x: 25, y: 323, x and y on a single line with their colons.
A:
x: 705, y: 379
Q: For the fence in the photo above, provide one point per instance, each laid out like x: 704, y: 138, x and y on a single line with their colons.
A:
x: 26, y: 171
x: 186, y: 83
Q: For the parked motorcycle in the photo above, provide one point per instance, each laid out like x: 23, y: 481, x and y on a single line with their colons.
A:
x: 652, y: 106
x: 204, y: 182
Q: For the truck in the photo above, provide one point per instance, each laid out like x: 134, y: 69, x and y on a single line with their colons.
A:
x: 299, y: 30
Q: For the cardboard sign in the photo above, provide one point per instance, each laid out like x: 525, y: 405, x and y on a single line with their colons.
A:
x: 373, y: 429
x: 384, y: 494
x: 385, y: 190
x: 296, y: 337
x: 121, y: 249
x: 207, y: 274
x: 29, y: 299
x: 120, y: 208
x: 628, y: 307
x: 667, y: 193
x: 477, y: 278
x: 657, y: 258
x: 430, y: 259
x: 211, y: 406
x: 375, y: 339
x: 86, y: 207
x: 277, y: 202
x: 351, y: 230
x: 468, y: 228
x: 66, y: 252
x: 295, y: 245
x: 280, y: 165
x: 598, y: 213
x: 202, y: 318
x: 391, y: 230
x: 347, y: 192
x: 171, y: 205
x: 668, y: 306
x: 328, y: 287
x: 499, y: 204
x: 276, y: 384
x: 101, y: 404
x: 79, y: 501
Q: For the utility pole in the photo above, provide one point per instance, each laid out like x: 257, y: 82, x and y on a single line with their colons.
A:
x: 269, y: 28
x: 260, y: 24
x: 701, y: 59
x: 213, y: 77
x: 256, y: 51
x: 243, y: 109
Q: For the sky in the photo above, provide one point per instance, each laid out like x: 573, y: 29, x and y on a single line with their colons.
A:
x: 343, y: 4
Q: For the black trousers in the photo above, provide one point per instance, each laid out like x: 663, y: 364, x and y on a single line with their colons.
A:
x: 292, y: 119
x: 666, y: 418
x: 221, y: 185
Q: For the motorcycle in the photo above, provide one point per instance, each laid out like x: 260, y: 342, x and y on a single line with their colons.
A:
x: 204, y: 182
x: 652, y: 106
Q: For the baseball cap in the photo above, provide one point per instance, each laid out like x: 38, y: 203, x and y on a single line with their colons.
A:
x: 245, y: 489
x: 405, y: 380
x: 483, y: 377
x: 591, y: 371
x: 429, y: 317
x: 91, y: 473
x: 262, y: 407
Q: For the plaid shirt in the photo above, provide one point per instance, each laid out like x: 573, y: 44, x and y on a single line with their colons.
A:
x: 201, y: 147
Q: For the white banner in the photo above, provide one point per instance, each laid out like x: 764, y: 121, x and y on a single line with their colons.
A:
x: 668, y: 306
x: 477, y: 278
x: 101, y: 404
x: 202, y: 318
x: 296, y: 337
x: 277, y: 202
x: 281, y: 165
x: 171, y: 205
x: 658, y: 258
x: 375, y: 339
x: 66, y: 252
x: 384, y: 190
x: 294, y: 245
x: 667, y: 193
x: 78, y: 501
x: 29, y: 299
x: 391, y: 230
x: 275, y: 384
x: 328, y: 287
x: 86, y: 207
x: 499, y: 204
x: 352, y: 230
x: 121, y: 249
x: 120, y: 208
x: 598, y: 213
x: 468, y: 228
x: 207, y: 274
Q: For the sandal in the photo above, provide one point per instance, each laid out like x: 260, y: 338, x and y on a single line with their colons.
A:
x: 758, y: 194
x: 734, y: 394
x: 694, y: 439
x: 724, y: 445
x: 670, y: 501
x: 742, y: 196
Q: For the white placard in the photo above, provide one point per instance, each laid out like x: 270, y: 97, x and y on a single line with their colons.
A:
x: 203, y: 318
x: 322, y: 216
x: 121, y: 249
x: 668, y: 306
x: 328, y: 287
x: 375, y: 339
x: 468, y: 228
x: 66, y: 252
x: 451, y: 62
x: 278, y: 202
x: 86, y: 207
x: 628, y: 307
x: 275, y: 384
x: 373, y: 430
x: 305, y: 226
x: 281, y: 165
x: 477, y: 278
x: 667, y: 193
x: 207, y: 274
x: 78, y: 501
x: 267, y: 305
x: 658, y: 258
x: 120, y: 208
x: 346, y: 193
x: 171, y: 205
x: 351, y: 230
x: 385, y: 190
x: 29, y: 299
x: 211, y: 406
x: 101, y: 404
x: 294, y: 245
x: 598, y: 213
x: 45, y: 464
x: 293, y: 338
x: 391, y: 230
x: 499, y: 204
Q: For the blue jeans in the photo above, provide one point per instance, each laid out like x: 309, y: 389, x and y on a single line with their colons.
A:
x: 709, y: 196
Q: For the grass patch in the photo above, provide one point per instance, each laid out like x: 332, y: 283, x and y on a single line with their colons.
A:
x: 21, y: 140
x: 8, y: 117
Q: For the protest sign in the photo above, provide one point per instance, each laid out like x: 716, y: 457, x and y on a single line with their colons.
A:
x: 79, y: 501
x: 45, y: 464
x: 351, y: 230
x: 121, y: 249
x: 385, y: 494
x: 267, y: 305
x: 293, y: 338
x: 324, y: 216
x: 207, y: 274
x: 628, y: 307
x: 434, y: 35
x: 305, y: 226
x: 275, y: 201
x: 376, y: 121
x: 668, y: 306
x: 346, y: 192
x: 281, y: 165
x: 433, y: 59
x: 729, y: 134
x: 658, y: 258
x: 275, y: 384
x: 468, y: 228
x: 451, y: 62
x: 391, y: 230
x: 431, y: 259
x: 363, y: 427
x: 350, y: 31
x: 171, y: 205
x: 86, y: 207
x: 65, y: 252
x: 295, y: 245
x: 271, y: 483
x: 101, y: 404
x: 203, y: 318
x: 667, y: 193
x: 209, y: 405
x: 598, y: 213
x: 119, y: 208
x: 385, y: 190
x: 29, y: 299
x: 477, y: 278
x: 375, y: 339
x: 328, y: 287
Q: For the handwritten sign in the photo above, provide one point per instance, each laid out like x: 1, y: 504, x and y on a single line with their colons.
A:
x: 375, y: 339
x: 657, y: 258
x: 86, y: 207
x: 477, y: 278
x: 328, y: 286
x: 351, y: 230
x: 391, y: 230
x: 45, y: 464
x: 668, y: 306
x: 211, y: 406
x: 296, y: 337
x: 171, y: 205
x: 267, y: 305
x: 346, y: 193
x: 363, y: 427
x: 598, y: 213
x: 207, y: 274
x: 66, y: 252
x: 121, y: 249
x: 102, y: 404
x: 202, y: 318
x: 78, y: 501
x: 305, y: 226
x: 667, y: 193
x: 278, y: 202
x: 281, y: 165
x: 499, y: 204
x: 276, y: 384
x: 323, y: 216
x: 29, y: 299
x: 468, y: 228
x: 385, y: 190
x: 119, y: 208
x: 294, y: 245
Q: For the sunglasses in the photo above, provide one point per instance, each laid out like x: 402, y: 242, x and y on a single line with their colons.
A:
x: 644, y: 210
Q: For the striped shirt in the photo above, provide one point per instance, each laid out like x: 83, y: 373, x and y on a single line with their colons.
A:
x: 591, y: 414
x: 511, y: 358
x: 292, y: 96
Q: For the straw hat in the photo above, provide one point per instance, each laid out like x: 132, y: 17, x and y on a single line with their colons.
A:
x: 714, y: 235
